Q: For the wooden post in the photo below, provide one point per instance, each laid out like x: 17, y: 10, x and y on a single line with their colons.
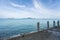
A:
x: 47, y: 24
x: 58, y: 24
x: 53, y: 23
x: 38, y: 26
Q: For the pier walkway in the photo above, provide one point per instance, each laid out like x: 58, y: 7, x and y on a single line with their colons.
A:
x: 52, y: 34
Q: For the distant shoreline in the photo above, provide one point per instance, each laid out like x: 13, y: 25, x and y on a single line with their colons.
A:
x: 28, y: 18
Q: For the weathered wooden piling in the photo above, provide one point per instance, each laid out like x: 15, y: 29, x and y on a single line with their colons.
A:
x: 58, y: 24
x: 47, y: 24
x: 38, y: 26
x: 53, y: 23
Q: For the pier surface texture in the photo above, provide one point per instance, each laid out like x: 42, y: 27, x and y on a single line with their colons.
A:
x: 51, y: 34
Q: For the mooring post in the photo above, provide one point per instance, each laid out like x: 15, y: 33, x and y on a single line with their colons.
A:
x: 47, y: 24
x: 58, y: 24
x: 38, y: 26
x: 53, y: 23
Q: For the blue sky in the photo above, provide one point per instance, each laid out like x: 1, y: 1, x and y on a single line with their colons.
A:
x: 30, y: 8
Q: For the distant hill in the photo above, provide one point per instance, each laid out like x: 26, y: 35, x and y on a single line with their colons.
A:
x: 28, y: 18
x: 17, y: 18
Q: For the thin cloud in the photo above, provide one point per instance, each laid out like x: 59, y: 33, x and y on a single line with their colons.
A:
x: 40, y: 7
x: 39, y: 10
x: 46, y: 13
x: 16, y: 5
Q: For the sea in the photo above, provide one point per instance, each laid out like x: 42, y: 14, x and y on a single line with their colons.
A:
x: 11, y: 27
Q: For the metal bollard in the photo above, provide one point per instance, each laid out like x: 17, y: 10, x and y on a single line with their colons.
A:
x: 58, y: 24
x: 53, y: 23
x: 38, y: 26
x: 47, y: 24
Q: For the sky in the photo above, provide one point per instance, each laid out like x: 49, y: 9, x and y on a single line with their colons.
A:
x: 30, y: 8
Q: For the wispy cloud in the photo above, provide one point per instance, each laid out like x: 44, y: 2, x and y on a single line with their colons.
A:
x: 47, y: 13
x: 40, y: 8
x: 10, y: 9
x: 17, y: 5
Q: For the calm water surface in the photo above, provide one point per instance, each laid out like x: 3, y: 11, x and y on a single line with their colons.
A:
x: 13, y: 27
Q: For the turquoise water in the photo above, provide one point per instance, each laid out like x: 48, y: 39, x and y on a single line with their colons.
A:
x: 13, y: 27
